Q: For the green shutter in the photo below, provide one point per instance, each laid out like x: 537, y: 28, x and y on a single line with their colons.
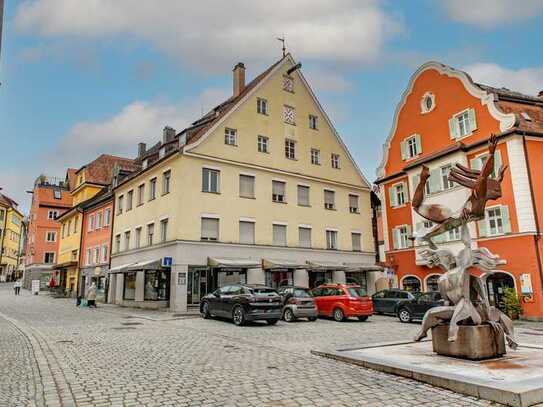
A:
x: 472, y: 119
x: 497, y: 163
x: 405, y: 192
x: 419, y: 143
x: 392, y: 195
x: 395, y: 238
x: 476, y: 163
x: 415, y: 181
x: 482, y: 227
x: 435, y: 180
x: 505, y: 219
x: 453, y: 128
x: 409, y: 234
x: 403, y: 147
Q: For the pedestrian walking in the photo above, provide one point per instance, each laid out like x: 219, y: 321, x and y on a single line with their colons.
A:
x: 91, y: 296
x: 17, y: 287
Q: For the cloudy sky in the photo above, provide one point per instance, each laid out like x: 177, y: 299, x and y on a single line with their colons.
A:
x: 84, y: 77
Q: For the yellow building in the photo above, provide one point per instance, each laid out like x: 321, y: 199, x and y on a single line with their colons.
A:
x: 11, y: 230
x: 84, y: 183
x: 260, y: 190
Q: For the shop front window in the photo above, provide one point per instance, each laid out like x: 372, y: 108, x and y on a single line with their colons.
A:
x: 129, y: 286
x: 357, y: 279
x: 234, y: 276
x: 157, y: 285
x: 317, y: 278
x: 276, y: 278
x: 411, y: 283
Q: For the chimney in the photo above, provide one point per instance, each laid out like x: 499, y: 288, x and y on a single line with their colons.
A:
x: 239, y: 78
x: 142, y: 148
x: 168, y: 134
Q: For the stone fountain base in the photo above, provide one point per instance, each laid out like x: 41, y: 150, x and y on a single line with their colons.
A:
x: 473, y: 342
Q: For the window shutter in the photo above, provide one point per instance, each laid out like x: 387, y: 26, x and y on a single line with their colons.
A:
x: 435, y: 180
x: 497, y: 163
x: 403, y: 147
x: 303, y: 195
x: 247, y: 232
x: 419, y: 143
x: 247, y: 186
x: 409, y: 234
x: 415, y: 180
x: 304, y: 235
x: 472, y: 119
x: 329, y: 197
x: 210, y: 228
x: 482, y: 227
x: 453, y: 128
x: 278, y: 188
x: 405, y: 191
x: 505, y: 219
x: 357, y: 241
x: 279, y: 235
x: 476, y: 163
x: 392, y: 194
x: 395, y: 238
x: 353, y: 201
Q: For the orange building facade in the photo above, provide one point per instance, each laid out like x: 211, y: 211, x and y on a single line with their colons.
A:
x: 50, y: 198
x: 445, y: 118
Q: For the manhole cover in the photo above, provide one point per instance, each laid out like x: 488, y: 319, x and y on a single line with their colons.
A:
x: 123, y: 327
x: 131, y: 323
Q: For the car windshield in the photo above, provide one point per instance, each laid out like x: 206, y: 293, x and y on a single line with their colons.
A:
x: 264, y: 291
x: 356, y: 292
x: 301, y: 293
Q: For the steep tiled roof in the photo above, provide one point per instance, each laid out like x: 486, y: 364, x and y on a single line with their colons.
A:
x: 100, y: 171
x: 7, y: 201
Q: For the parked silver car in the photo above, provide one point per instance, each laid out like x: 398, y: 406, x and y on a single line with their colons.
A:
x: 298, y: 303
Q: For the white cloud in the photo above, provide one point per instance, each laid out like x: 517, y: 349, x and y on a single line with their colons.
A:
x: 525, y: 80
x: 325, y: 81
x: 489, y: 13
x: 210, y: 37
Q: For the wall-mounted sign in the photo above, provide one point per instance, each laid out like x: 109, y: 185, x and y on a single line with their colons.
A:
x: 526, y: 284
x: 182, y: 279
x: 167, y: 261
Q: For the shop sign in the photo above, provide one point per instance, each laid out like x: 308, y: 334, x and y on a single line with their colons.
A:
x: 526, y: 284
x: 182, y: 278
x: 167, y: 261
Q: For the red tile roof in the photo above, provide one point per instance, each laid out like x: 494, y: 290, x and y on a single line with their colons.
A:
x: 100, y: 171
x: 7, y: 201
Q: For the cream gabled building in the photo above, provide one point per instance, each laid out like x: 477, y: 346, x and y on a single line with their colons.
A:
x: 259, y: 190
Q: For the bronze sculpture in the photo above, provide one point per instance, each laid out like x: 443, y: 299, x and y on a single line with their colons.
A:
x: 465, y: 296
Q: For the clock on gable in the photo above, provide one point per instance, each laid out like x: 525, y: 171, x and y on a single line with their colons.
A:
x: 288, y: 83
x: 289, y: 115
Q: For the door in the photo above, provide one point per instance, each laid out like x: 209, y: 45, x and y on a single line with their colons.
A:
x: 391, y: 299
x: 379, y: 301
x: 215, y: 302
x: 229, y: 299
x: 496, y: 284
x: 320, y: 298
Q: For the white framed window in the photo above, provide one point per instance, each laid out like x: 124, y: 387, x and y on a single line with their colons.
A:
x: 496, y: 221
x: 462, y: 124
x: 141, y: 194
x: 263, y: 144
x: 230, y: 136
x: 453, y: 234
x: 278, y: 191
x: 91, y: 223
x: 356, y: 238
x: 107, y: 217
x: 445, y: 182
x: 210, y: 229
x: 246, y: 186
x: 96, y: 257
x: 303, y: 195
x: 129, y: 200
x: 279, y: 235
x: 334, y: 158
x: 150, y: 233
x: 88, y: 255
x: 49, y: 257
x: 353, y: 204
x: 117, y: 243
x: 329, y: 199
x: 479, y: 161
x: 315, y: 156
x: 289, y: 115
x: 246, y: 232
x: 304, y: 236
x: 51, y: 236
x: 397, y: 194
x: 99, y: 219
x: 288, y: 83
x: 313, y: 122
x: 290, y: 149
x: 137, y: 240
x: 105, y: 253
x: 210, y: 180
x: 411, y: 147
x: 127, y: 240
x: 57, y: 194
x: 164, y: 230
x: 166, y: 181
x: 400, y: 237
x: 427, y: 103
x: 152, y: 189
x: 331, y: 239
x: 261, y: 106
x: 52, y: 214
x: 120, y: 202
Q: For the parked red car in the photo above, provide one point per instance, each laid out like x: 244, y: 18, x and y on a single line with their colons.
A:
x: 342, y: 301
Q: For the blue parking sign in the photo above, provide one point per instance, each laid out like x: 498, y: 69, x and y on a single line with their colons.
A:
x: 167, y: 261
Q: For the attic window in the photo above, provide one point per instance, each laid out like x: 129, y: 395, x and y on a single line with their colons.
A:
x: 428, y: 102
x: 526, y: 116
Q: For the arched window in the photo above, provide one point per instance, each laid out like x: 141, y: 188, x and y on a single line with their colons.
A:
x: 411, y: 283
x: 431, y: 283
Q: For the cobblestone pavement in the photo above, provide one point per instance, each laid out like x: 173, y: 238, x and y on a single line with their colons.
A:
x: 122, y: 357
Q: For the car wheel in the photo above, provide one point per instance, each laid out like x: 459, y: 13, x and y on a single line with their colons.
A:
x: 238, y: 315
x: 205, y: 311
x: 272, y: 321
x: 312, y: 319
x: 404, y: 315
x: 363, y: 318
x: 338, y: 315
x: 288, y: 315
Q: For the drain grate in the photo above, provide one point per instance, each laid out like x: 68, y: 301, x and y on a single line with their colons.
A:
x: 131, y: 323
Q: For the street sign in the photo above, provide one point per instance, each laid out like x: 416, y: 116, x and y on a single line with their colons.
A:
x: 167, y: 261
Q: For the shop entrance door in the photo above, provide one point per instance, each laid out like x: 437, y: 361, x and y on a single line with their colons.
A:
x: 197, y: 285
x: 496, y: 284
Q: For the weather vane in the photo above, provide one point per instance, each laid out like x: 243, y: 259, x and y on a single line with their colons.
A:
x: 282, y: 39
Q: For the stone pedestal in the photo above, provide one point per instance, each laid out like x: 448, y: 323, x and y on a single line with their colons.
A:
x: 473, y: 342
